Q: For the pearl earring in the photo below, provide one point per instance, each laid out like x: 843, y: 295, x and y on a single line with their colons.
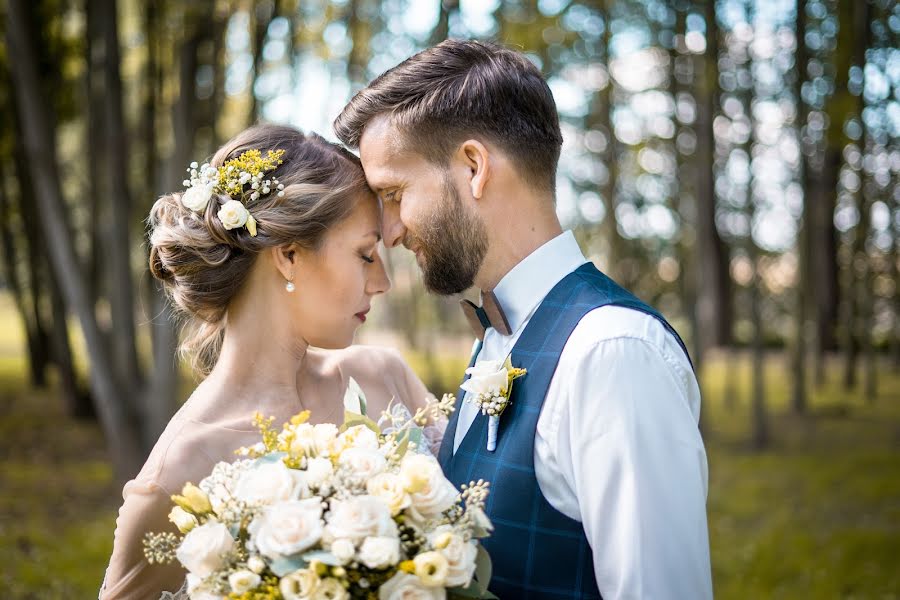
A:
x: 289, y: 286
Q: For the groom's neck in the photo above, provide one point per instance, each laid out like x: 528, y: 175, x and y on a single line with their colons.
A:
x: 516, y: 232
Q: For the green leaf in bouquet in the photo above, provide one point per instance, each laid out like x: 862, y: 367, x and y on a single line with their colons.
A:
x: 415, y: 437
x: 352, y: 419
x: 354, y: 399
x: 323, y: 557
x: 403, y: 445
x: 272, y: 457
x: 284, y: 565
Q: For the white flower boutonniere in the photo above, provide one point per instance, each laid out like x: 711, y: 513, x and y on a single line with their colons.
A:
x: 490, y: 387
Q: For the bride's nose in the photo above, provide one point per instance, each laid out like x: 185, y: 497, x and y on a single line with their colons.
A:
x: 378, y: 282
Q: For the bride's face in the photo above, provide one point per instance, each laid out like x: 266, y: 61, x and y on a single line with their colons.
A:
x: 336, y: 283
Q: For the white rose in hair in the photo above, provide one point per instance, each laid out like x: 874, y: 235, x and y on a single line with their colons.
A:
x: 287, y: 527
x: 202, y: 550
x: 267, y: 483
x: 405, y: 586
x: 459, y: 553
x: 430, y: 492
x: 363, y: 462
x: 197, y: 197
x: 360, y: 517
x: 487, y: 377
x: 233, y: 214
x: 379, y: 552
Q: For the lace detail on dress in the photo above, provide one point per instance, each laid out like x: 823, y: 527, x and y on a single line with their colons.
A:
x: 398, y: 414
x: 181, y: 594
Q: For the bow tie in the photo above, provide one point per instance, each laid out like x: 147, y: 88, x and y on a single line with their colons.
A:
x: 489, y: 314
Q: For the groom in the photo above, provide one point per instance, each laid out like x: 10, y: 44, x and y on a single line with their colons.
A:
x: 599, y: 475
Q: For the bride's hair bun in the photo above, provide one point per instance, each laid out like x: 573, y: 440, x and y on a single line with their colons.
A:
x: 202, y: 265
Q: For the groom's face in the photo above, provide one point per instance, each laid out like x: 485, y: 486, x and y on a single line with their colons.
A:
x: 424, y: 210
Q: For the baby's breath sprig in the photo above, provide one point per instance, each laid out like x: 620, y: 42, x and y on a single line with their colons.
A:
x: 159, y: 548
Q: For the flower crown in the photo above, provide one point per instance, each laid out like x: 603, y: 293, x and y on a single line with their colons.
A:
x: 230, y: 180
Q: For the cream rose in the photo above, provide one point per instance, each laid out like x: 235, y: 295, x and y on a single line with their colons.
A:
x: 197, y: 197
x: 487, y: 377
x: 459, y: 553
x: 379, y: 552
x: 202, y: 550
x: 432, y: 569
x: 287, y: 528
x: 271, y: 482
x: 359, y: 517
x: 430, y: 492
x: 299, y: 585
x: 404, y: 586
x: 233, y: 214
x: 182, y: 519
x: 243, y: 581
x: 363, y: 462
x: 358, y: 436
x: 389, y: 487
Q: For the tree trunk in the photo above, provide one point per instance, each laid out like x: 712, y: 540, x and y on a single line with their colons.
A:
x: 121, y: 292
x: 610, y: 226
x: 40, y: 147
x: 441, y: 30
x: 713, y: 306
x: 797, y: 370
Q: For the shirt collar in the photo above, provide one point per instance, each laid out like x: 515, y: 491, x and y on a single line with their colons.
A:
x: 522, y: 289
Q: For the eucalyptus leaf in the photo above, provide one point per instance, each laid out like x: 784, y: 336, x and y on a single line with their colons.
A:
x: 484, y: 568
x: 354, y: 419
x: 323, y: 557
x: 285, y: 565
x: 355, y: 399
x: 272, y: 457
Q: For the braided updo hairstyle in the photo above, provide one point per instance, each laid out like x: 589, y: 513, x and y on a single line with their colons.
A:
x: 202, y: 265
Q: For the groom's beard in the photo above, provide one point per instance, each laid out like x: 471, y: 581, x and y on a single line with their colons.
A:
x: 452, y: 243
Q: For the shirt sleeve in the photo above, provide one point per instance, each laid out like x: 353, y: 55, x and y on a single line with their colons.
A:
x: 629, y: 448
x: 129, y: 575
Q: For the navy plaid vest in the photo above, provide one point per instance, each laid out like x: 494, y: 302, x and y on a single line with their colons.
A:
x: 537, y: 552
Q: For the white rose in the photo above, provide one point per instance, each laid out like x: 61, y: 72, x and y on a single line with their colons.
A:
x: 271, y: 482
x: 304, y: 442
x: 318, y: 471
x: 358, y: 436
x: 487, y: 377
x: 459, y: 553
x: 432, y: 569
x: 430, y: 492
x: 404, y: 586
x: 202, y: 549
x: 359, y: 517
x: 233, y: 214
x: 343, y: 550
x: 363, y: 462
x: 243, y: 581
x: 379, y: 552
x: 330, y: 589
x: 389, y: 487
x: 325, y: 434
x: 197, y: 197
x: 287, y: 527
x: 299, y: 585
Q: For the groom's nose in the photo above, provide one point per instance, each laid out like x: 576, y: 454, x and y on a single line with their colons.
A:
x: 392, y: 227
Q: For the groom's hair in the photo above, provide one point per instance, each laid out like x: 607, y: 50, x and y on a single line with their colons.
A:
x: 464, y: 89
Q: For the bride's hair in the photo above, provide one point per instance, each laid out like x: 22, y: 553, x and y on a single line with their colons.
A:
x: 202, y: 265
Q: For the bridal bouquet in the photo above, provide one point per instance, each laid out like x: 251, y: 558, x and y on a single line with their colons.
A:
x: 327, y: 512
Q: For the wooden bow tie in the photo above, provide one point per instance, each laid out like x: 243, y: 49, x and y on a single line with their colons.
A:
x: 489, y: 314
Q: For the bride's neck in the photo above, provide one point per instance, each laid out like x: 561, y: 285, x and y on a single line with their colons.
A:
x: 258, y: 359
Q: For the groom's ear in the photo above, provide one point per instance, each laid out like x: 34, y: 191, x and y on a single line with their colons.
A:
x: 476, y: 158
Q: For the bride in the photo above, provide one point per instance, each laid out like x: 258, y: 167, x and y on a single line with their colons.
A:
x: 274, y: 274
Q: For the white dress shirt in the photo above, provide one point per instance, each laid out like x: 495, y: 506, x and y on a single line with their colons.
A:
x: 617, y: 446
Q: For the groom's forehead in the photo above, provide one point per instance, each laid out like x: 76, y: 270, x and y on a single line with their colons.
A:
x: 383, y: 153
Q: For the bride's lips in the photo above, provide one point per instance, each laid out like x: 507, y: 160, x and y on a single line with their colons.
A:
x: 362, y: 315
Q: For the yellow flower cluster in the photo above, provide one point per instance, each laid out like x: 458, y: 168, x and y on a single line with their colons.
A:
x: 249, y: 167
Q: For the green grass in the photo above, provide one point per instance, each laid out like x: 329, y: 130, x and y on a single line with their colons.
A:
x: 816, y: 515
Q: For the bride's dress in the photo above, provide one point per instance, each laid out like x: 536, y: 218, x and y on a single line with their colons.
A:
x: 198, y: 437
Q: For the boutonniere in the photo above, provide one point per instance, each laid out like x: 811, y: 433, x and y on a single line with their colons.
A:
x: 490, y: 387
